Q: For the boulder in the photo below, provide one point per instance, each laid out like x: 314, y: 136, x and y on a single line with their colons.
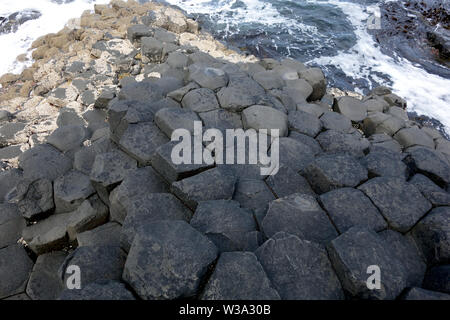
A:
x: 213, y: 184
x: 294, y: 154
x: 137, y: 183
x: 168, y: 261
x: 163, y: 163
x: 15, y: 269
x: 306, y: 140
x: 225, y: 223
x: 333, y: 141
x: 242, y: 92
x: 44, y: 283
x: 316, y: 78
x: 141, y: 140
x: 413, y: 136
x: 263, y: 117
x: 8, y: 181
x: 287, y: 182
x: 400, y: 202
x: 407, y: 252
x: 207, y: 77
x: 70, y: 190
x: 99, y: 290
x: 137, y: 31
x: 353, y: 252
x: 221, y: 119
x: 329, y: 172
x: 12, y: 133
x: 111, y: 168
x: 269, y: 79
x: 431, y: 164
x: 382, y: 140
x: 299, y: 269
x: 68, y: 137
x: 98, y: 263
x: 44, y: 161
x: 146, y: 209
x: 11, y: 224
x: 239, y: 276
x: 200, y: 100
x: 252, y: 194
x: 432, y: 235
x: 304, y: 122
x: 299, y: 215
x: 107, y: 234
x: 335, y: 121
x: 34, y: 198
x: 170, y: 119
x: 381, y: 162
x: 352, y: 108
x: 434, y: 194
x: 90, y: 214
x: 348, y: 207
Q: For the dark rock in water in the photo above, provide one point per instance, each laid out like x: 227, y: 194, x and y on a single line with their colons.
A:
x: 12, y: 22
x: 409, y: 29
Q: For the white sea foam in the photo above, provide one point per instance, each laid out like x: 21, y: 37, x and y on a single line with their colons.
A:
x: 54, y: 17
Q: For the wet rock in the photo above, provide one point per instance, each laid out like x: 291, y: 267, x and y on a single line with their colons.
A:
x: 70, y: 190
x: 263, y: 117
x: 213, y: 184
x: 434, y: 194
x: 11, y: 224
x: 44, y: 283
x: 104, y: 235
x: 168, y: 261
x: 401, y: 203
x: 200, y: 100
x: 329, y: 172
x: 225, y: 223
x: 136, y: 184
x: 35, y: 197
x: 15, y: 269
x: 97, y: 263
x: 300, y: 215
x: 141, y: 141
x: 436, y: 279
x: 99, y: 290
x: 243, y: 271
x: 311, y: 275
x: 252, y: 194
x: 304, y: 122
x: 333, y: 141
x: 432, y: 235
x: 287, y: 182
x: 170, y: 119
x: 352, y: 108
x: 349, y: 207
x: 146, y: 209
x: 44, y: 161
x: 353, y: 252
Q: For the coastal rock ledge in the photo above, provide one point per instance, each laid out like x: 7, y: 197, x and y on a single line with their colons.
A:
x: 87, y: 180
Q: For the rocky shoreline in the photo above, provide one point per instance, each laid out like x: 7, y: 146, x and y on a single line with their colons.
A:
x: 87, y: 178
